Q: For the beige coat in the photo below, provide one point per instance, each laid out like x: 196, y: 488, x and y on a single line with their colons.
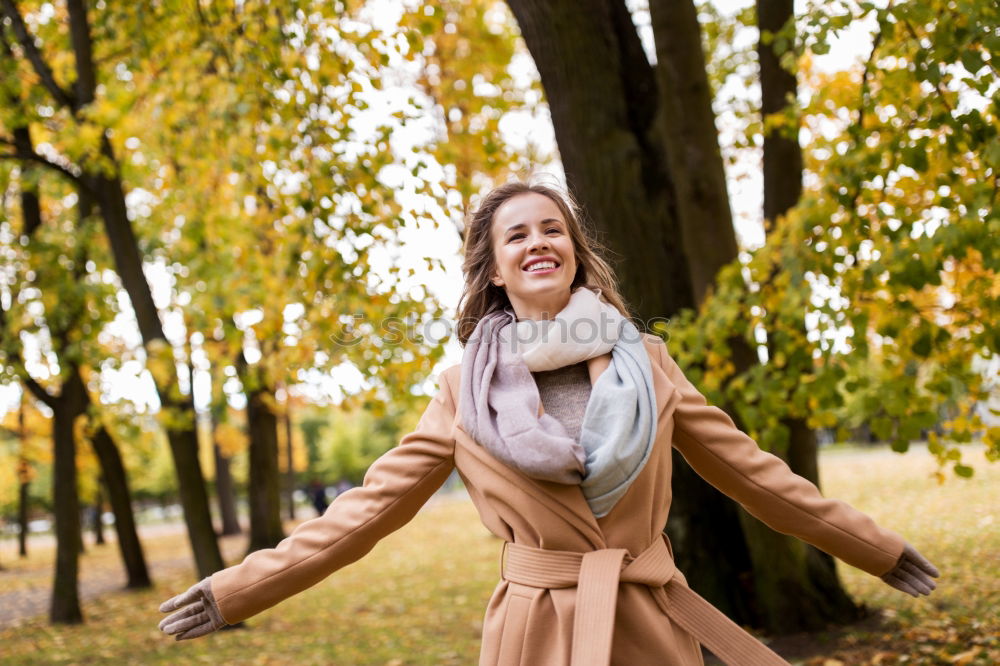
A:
x: 533, y: 624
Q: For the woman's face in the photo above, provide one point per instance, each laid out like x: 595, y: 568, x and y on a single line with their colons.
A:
x: 529, y: 231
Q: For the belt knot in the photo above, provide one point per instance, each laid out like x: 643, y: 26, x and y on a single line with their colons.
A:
x: 597, y: 575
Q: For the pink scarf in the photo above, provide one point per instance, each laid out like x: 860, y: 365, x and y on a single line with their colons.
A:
x: 499, y: 400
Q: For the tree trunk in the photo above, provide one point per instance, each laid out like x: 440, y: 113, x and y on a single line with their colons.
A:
x: 22, y: 518
x: 264, y: 491
x: 602, y: 94
x: 289, y: 458
x: 782, y: 153
x: 687, y: 125
x: 110, y: 196
x: 182, y: 437
x: 97, y: 525
x: 265, y: 479
x: 24, y: 482
x: 707, y: 521
x: 796, y: 584
x: 808, y: 575
x: 120, y: 497
x: 65, y: 605
x: 225, y: 489
x: 81, y: 545
x: 71, y: 403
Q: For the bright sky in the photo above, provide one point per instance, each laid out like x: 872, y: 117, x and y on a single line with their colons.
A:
x: 419, y: 238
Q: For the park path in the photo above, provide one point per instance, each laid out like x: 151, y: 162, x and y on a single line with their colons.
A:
x: 27, y: 602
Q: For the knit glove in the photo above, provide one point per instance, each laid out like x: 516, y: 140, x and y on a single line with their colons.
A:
x: 199, y: 614
x: 912, y: 573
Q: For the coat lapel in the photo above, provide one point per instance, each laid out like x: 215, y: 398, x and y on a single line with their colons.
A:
x: 667, y: 395
x: 565, y: 500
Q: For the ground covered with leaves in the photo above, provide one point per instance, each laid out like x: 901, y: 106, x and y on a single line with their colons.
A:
x: 419, y: 597
x: 956, y: 525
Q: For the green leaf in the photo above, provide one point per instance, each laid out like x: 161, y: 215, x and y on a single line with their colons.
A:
x: 963, y: 470
x: 972, y: 61
x: 922, y: 345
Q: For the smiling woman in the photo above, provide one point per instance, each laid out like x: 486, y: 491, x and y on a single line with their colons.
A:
x: 579, y: 492
x: 515, y: 225
x: 535, y: 261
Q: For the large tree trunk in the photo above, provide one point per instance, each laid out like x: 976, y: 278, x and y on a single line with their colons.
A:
x: 64, y: 607
x: 687, y: 125
x: 120, y: 497
x: 782, y: 153
x: 264, y: 492
x: 603, y: 98
x: 65, y: 604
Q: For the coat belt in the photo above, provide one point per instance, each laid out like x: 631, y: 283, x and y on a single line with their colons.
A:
x: 597, y: 574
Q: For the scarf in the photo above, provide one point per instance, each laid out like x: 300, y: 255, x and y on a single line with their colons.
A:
x: 499, y: 401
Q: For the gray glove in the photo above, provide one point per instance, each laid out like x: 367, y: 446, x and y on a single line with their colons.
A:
x: 912, y: 573
x: 199, y: 616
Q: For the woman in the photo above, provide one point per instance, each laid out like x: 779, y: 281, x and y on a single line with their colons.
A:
x: 560, y: 420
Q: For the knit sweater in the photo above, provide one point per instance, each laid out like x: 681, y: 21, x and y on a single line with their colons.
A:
x: 564, y: 393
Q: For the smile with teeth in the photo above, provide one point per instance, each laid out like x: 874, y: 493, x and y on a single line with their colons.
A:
x: 541, y: 266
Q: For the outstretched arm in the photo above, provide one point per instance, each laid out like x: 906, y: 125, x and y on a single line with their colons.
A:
x: 730, y: 460
x: 394, y: 489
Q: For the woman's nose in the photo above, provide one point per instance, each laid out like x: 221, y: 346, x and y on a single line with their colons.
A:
x: 538, y: 240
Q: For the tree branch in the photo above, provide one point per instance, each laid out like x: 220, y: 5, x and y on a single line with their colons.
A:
x: 83, y: 51
x: 31, y: 208
x: 38, y: 390
x: 32, y: 221
x: 35, y: 56
x: 937, y: 86
x: 35, y: 157
x: 15, y: 356
x: 866, y: 72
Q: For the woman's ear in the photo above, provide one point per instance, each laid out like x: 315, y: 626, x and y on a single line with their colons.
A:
x: 497, y: 280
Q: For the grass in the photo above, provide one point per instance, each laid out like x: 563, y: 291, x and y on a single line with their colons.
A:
x: 419, y: 597
x: 956, y: 525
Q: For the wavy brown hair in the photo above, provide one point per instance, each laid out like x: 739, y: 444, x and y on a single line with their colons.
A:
x: 480, y: 296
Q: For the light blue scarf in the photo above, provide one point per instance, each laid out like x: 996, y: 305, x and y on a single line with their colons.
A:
x: 499, y: 398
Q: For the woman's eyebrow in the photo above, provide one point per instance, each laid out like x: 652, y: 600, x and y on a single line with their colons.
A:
x: 521, y: 225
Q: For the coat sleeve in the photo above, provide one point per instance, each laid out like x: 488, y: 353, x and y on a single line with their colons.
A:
x: 394, y: 489
x: 766, y: 487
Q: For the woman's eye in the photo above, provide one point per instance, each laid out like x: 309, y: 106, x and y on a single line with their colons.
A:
x: 520, y: 235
